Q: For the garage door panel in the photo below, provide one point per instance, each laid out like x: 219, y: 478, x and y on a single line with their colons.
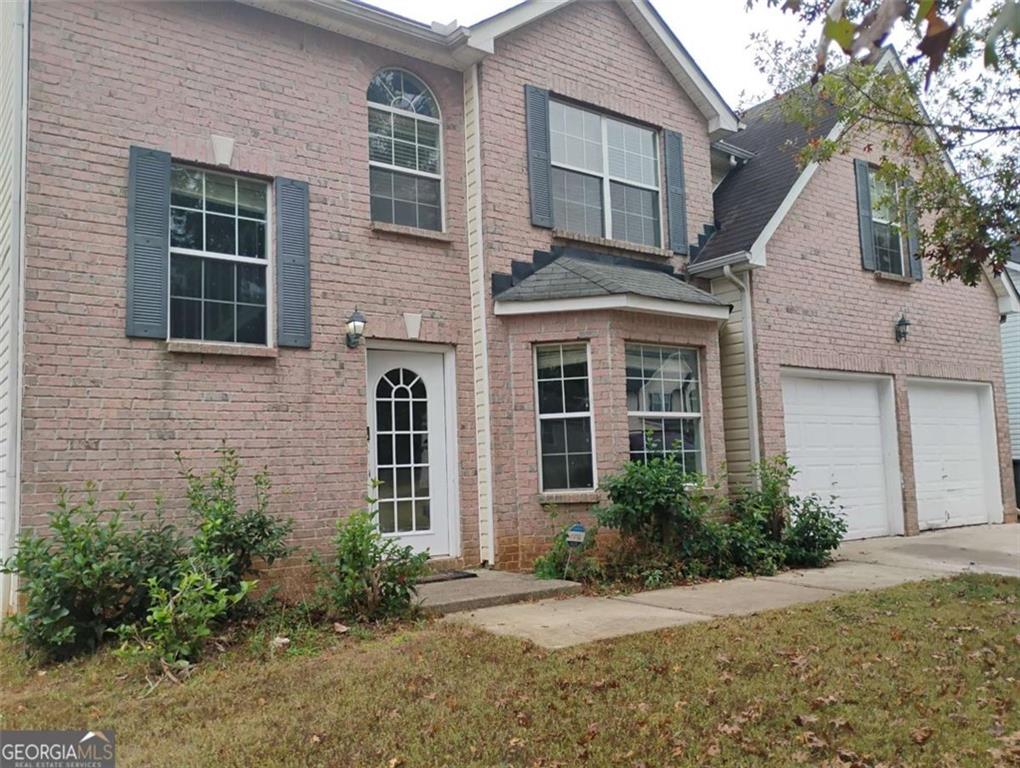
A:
x: 835, y: 439
x: 949, y: 443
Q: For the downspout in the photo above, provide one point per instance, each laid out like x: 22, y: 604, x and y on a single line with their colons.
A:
x: 750, y: 373
x: 9, y: 584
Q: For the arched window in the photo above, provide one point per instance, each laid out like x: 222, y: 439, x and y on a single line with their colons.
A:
x: 405, y: 151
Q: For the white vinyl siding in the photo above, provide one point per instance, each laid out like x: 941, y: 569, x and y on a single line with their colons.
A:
x: 736, y: 406
x: 1011, y: 357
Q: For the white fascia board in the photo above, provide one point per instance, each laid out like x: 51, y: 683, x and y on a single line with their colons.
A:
x: 438, y: 44
x: 1005, y: 287
x: 483, y: 35
x: 713, y: 268
x: 721, y: 119
x: 626, y: 301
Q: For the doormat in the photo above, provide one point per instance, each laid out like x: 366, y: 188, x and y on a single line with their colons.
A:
x: 447, y: 576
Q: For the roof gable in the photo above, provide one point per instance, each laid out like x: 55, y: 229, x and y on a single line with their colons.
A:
x: 660, y: 38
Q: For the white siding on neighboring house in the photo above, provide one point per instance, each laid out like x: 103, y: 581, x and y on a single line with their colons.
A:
x: 736, y: 405
x: 1011, y: 358
x: 13, y: 20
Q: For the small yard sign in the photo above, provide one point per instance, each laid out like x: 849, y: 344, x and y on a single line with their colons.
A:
x: 575, y: 535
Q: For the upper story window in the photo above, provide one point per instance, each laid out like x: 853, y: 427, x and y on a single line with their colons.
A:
x: 886, y: 225
x: 218, y: 256
x: 605, y: 176
x: 664, y: 404
x: 405, y: 151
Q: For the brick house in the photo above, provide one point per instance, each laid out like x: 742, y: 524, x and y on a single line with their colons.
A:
x: 452, y: 260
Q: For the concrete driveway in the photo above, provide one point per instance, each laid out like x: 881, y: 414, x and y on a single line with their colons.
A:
x: 859, y: 566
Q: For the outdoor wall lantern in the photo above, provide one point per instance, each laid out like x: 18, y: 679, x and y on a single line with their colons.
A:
x: 355, y: 328
x: 902, y: 327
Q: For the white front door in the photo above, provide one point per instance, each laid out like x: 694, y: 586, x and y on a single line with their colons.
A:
x: 839, y: 439
x: 408, y: 447
x: 956, y: 468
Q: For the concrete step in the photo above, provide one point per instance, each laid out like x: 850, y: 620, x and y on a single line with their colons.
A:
x: 487, y: 589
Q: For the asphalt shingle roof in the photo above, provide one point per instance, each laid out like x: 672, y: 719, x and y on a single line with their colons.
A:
x: 749, y: 195
x: 575, y: 276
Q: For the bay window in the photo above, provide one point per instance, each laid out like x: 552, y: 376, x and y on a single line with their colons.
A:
x: 664, y: 404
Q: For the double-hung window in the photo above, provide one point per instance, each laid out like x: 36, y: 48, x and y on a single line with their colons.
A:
x: 564, y: 417
x: 664, y: 404
x: 218, y: 257
x: 886, y: 225
x: 605, y: 176
x: 405, y: 151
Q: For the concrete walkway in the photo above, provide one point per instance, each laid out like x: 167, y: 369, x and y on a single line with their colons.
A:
x: 860, y: 566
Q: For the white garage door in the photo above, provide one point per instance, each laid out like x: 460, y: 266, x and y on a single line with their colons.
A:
x: 956, y: 464
x: 840, y: 435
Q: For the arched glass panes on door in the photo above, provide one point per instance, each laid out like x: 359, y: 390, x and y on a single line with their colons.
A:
x: 402, y: 452
x: 405, y: 151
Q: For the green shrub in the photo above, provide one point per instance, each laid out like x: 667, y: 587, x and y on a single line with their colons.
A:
x: 87, y: 577
x: 649, y: 502
x: 180, y: 618
x: 674, y: 527
x: 92, y: 573
x: 573, y: 563
x: 815, y: 531
x: 791, y: 530
x: 225, y: 538
x: 369, y: 576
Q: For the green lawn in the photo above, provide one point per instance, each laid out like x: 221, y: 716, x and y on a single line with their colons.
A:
x: 922, y: 675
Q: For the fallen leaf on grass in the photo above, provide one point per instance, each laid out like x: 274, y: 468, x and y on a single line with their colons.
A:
x: 824, y: 701
x: 813, y: 741
x: 803, y: 720
x: 921, y: 735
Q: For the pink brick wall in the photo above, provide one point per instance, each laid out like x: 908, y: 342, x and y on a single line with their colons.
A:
x: 570, y: 53
x: 105, y: 407
x: 815, y: 307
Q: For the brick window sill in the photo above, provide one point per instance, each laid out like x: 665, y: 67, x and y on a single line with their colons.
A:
x: 569, y: 497
x: 892, y: 277
x: 179, y: 346
x: 621, y: 245
x: 415, y: 232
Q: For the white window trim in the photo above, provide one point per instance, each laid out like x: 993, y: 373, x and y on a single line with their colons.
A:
x: 440, y: 177
x: 269, y: 262
x: 540, y: 417
x: 873, y: 183
x: 606, y: 178
x: 687, y: 415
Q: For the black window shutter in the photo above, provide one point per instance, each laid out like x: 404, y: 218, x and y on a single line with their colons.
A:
x: 148, y: 239
x: 536, y: 107
x: 863, y: 173
x: 676, y: 194
x: 293, y: 286
x: 913, y: 244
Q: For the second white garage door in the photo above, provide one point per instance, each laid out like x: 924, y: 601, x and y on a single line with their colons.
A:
x: 841, y: 437
x: 956, y: 466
